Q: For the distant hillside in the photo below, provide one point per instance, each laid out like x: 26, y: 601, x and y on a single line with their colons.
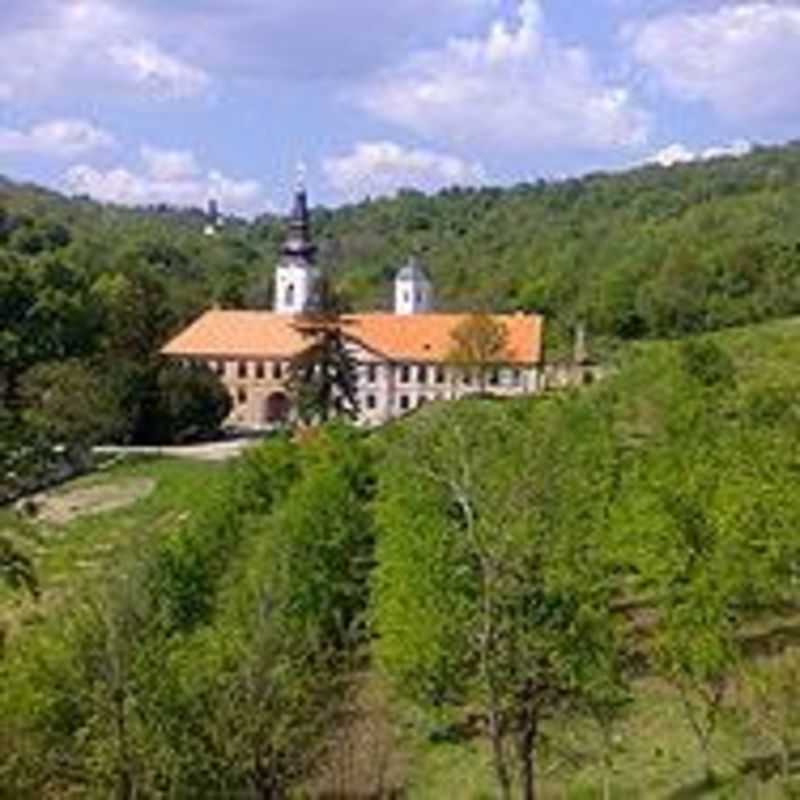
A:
x: 652, y: 252
x: 648, y: 253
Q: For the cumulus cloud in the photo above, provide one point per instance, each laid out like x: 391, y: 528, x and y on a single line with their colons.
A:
x: 173, y: 177
x: 61, y: 138
x: 516, y: 88
x: 48, y: 46
x: 145, y: 64
x: 169, y: 165
x: 680, y: 154
x: 742, y: 58
x: 174, y: 47
x: 380, y: 168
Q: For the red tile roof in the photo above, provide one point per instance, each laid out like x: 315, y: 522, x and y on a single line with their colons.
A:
x: 414, y: 337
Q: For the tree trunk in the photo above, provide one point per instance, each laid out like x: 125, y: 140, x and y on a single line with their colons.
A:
x: 124, y: 782
x: 529, y: 733
x: 708, y: 767
x: 499, y: 756
x: 267, y: 785
x: 786, y: 759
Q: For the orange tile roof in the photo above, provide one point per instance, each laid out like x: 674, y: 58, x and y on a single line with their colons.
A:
x: 428, y: 337
x: 415, y: 337
x: 258, y: 334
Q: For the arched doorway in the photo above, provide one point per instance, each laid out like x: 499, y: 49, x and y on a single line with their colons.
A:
x: 276, y: 408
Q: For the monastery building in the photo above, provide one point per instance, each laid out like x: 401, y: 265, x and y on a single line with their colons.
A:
x: 404, y: 359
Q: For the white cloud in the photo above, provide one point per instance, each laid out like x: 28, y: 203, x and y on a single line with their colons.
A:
x: 145, y: 64
x: 743, y: 59
x: 55, y: 46
x: 172, y: 44
x: 169, y: 165
x: 680, y: 154
x: 516, y: 88
x: 379, y: 168
x: 62, y: 138
x: 166, y: 176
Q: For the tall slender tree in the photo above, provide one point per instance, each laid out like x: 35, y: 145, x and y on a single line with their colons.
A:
x: 324, y: 378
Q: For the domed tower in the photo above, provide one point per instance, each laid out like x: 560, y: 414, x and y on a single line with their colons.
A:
x: 297, y: 277
x: 413, y: 290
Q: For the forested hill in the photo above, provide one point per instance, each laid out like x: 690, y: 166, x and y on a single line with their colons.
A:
x: 649, y: 253
x: 652, y: 252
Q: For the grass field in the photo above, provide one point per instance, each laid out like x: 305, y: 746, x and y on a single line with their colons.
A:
x: 74, y: 537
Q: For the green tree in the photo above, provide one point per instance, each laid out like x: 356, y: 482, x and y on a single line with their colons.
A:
x: 698, y: 522
x: 70, y: 406
x: 324, y: 379
x: 479, y: 345
x: 491, y: 586
x: 191, y: 404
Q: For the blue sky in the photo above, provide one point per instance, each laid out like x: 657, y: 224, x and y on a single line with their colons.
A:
x: 140, y: 101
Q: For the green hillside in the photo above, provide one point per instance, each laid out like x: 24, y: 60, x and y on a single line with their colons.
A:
x: 651, y: 252
x: 310, y: 623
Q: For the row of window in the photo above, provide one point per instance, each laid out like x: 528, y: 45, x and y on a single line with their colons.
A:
x: 420, y: 373
x: 425, y: 375
x: 405, y: 402
x: 252, y: 369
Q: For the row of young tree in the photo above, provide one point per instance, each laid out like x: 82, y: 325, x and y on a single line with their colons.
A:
x: 210, y: 662
x: 523, y: 562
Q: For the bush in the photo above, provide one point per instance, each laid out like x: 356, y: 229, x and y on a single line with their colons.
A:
x: 176, y: 404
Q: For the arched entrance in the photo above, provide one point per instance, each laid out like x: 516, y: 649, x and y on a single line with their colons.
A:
x: 277, y: 408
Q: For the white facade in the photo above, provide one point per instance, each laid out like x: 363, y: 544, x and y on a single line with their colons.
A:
x: 295, y: 287
x: 386, y: 389
x: 413, y: 290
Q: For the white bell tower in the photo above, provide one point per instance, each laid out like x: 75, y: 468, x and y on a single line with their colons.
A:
x: 413, y: 290
x: 297, y: 277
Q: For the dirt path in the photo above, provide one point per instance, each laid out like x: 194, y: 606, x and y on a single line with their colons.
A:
x: 61, y: 507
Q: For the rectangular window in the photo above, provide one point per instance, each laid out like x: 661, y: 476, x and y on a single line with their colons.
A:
x: 405, y: 403
x: 277, y: 370
x: 440, y: 375
x: 422, y: 373
x: 260, y: 370
x: 241, y: 396
x: 494, y: 377
x: 516, y: 377
x: 405, y: 373
x: 467, y: 379
x: 242, y: 369
x: 372, y: 402
x: 372, y: 373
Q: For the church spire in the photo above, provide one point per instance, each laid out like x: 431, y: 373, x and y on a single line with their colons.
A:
x: 298, y: 242
x: 296, y: 278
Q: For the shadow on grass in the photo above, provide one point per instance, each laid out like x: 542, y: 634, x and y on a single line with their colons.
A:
x: 702, y: 789
x: 772, y: 641
x: 767, y: 767
x: 392, y: 794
